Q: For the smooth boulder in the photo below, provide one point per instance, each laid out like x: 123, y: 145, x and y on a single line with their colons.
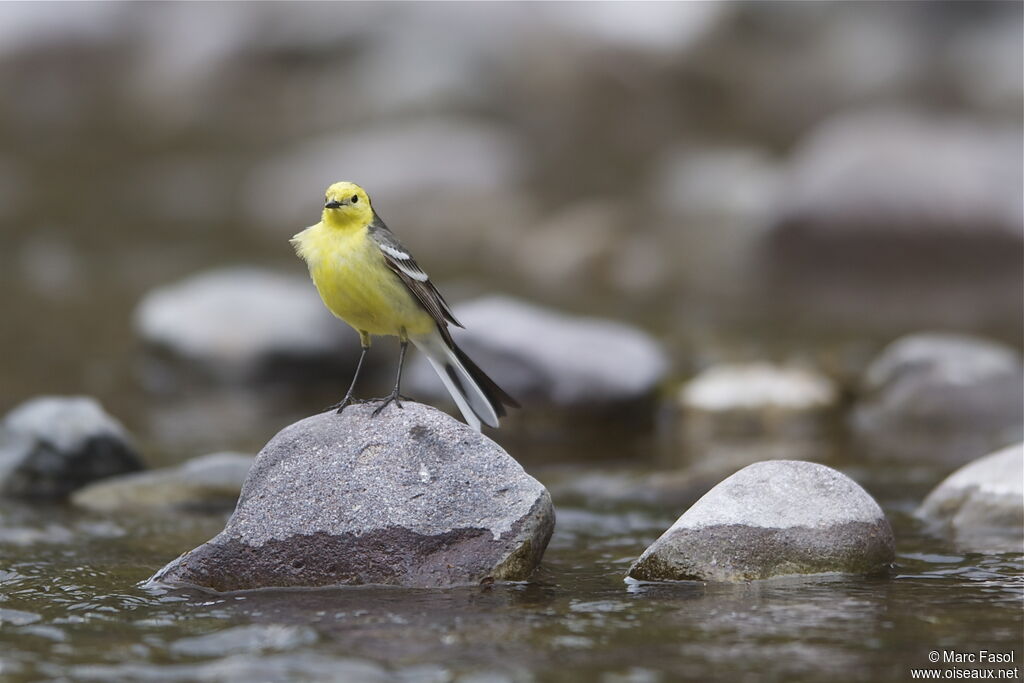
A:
x: 771, y: 519
x: 410, y: 497
x: 52, y: 445
x: 238, y: 325
x: 981, y: 505
x: 941, y: 395
x: 209, y: 482
x: 545, y: 357
x: 756, y: 399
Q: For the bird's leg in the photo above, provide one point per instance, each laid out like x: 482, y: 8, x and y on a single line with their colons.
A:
x: 364, y: 342
x: 393, y: 397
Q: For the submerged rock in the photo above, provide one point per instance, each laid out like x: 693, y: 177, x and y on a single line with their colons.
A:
x: 543, y: 357
x: 208, y: 482
x: 410, y: 497
x: 240, y: 325
x: 933, y: 394
x: 982, y: 503
x: 773, y: 519
x: 756, y: 399
x: 50, y: 446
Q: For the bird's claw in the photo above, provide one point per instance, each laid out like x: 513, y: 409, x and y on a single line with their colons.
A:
x: 387, y: 400
x: 345, y: 403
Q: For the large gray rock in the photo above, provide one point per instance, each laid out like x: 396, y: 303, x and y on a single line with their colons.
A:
x: 545, y: 357
x: 772, y: 519
x: 50, y: 446
x: 410, y: 497
x: 894, y: 219
x: 982, y: 504
x: 243, y: 324
x: 209, y: 482
x: 941, y: 395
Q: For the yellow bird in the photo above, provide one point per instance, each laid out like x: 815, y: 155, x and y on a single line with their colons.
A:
x: 368, y: 279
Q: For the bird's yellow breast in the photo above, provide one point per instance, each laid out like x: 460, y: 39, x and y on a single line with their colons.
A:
x: 356, y: 284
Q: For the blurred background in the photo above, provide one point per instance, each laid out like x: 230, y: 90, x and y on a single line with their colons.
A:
x: 742, y: 180
x: 687, y: 236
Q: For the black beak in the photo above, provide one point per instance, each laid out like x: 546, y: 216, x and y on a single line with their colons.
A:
x: 333, y: 204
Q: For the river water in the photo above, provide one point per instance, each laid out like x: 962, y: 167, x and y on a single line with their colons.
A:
x: 74, y: 607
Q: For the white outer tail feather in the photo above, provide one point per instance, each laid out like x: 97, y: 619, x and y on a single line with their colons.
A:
x: 472, y: 402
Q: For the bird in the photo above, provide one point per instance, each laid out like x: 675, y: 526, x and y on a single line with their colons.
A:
x: 369, y: 280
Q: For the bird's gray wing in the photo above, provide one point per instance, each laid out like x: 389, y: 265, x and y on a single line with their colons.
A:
x: 402, y: 263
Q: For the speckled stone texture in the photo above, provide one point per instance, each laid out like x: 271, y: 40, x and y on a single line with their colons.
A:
x: 773, y: 519
x: 411, y: 497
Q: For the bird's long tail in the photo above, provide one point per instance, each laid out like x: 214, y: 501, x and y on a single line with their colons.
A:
x: 476, y: 394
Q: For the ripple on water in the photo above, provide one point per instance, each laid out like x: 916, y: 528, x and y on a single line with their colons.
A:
x: 243, y: 668
x: 242, y: 639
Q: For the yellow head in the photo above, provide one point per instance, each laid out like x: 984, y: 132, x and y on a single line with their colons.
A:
x: 346, y: 205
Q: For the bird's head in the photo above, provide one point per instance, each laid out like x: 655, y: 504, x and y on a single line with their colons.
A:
x: 347, y: 205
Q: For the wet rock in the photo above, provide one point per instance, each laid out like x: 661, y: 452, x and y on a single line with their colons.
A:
x: 893, y: 219
x: 982, y: 504
x: 948, y: 395
x: 210, y: 482
x: 756, y: 399
x: 411, y: 497
x: 239, y: 325
x: 50, y: 446
x: 543, y: 357
x: 772, y: 519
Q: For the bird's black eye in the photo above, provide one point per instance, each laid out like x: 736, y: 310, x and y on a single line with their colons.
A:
x: 355, y: 199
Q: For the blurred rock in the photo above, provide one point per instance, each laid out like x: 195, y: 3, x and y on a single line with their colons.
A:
x: 773, y: 519
x: 547, y: 358
x: 893, y: 219
x: 937, y: 395
x: 722, y: 196
x: 237, y: 325
x: 773, y: 70
x: 756, y: 399
x: 985, y: 61
x: 982, y: 504
x: 50, y: 446
x: 588, y: 247
x: 208, y: 483
x: 410, y: 497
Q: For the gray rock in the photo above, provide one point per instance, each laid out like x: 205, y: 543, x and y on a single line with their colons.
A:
x: 756, y: 399
x: 982, y: 503
x: 772, y: 519
x: 941, y: 395
x: 50, y: 446
x: 894, y: 219
x: 210, y: 482
x: 545, y: 357
x: 411, y: 497
x: 243, y: 324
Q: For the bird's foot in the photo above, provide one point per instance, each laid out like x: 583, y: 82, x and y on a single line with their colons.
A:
x: 387, y: 400
x: 345, y: 403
